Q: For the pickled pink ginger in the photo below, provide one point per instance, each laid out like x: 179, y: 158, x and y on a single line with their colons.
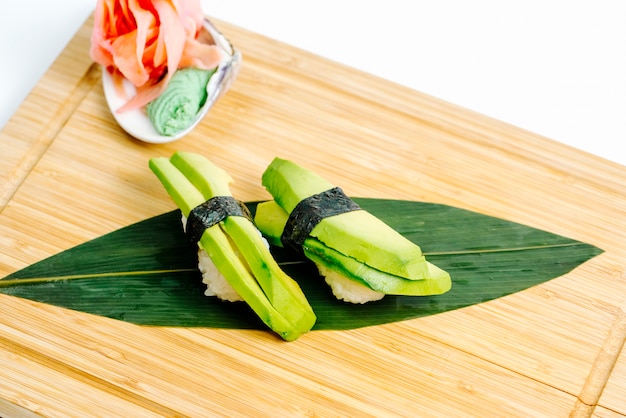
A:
x: 146, y: 41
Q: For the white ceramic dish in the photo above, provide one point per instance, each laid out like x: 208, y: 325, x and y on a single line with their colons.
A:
x: 137, y: 124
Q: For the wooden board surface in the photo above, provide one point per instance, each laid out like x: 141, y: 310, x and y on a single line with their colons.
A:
x: 68, y: 174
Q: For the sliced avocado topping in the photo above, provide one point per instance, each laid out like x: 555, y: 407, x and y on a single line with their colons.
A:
x: 276, y: 298
x: 356, y: 234
x: 270, y: 218
x: 437, y: 282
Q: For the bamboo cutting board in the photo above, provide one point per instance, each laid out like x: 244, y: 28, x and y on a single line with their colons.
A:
x: 69, y: 174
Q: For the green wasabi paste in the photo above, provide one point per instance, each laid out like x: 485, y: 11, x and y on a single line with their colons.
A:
x: 176, y: 108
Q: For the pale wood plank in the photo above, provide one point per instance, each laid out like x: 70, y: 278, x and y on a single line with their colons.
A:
x: 388, y: 371
x: 612, y: 396
x: 529, y: 354
x: 36, y: 123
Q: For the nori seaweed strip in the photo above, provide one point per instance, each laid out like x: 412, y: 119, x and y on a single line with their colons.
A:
x: 211, y: 212
x: 310, y: 211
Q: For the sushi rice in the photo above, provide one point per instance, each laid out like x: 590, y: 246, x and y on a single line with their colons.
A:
x: 346, y: 289
x: 342, y: 287
x: 211, y: 276
x: 215, y: 281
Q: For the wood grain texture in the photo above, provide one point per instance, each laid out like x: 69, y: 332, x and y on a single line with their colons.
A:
x: 69, y: 174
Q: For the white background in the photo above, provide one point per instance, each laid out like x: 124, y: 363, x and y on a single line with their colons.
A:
x: 556, y: 68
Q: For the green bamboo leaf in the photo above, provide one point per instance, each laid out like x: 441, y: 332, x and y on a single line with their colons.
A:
x: 146, y: 273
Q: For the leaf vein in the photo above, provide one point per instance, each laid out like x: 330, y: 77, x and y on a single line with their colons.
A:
x: 33, y: 280
x: 504, y: 250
